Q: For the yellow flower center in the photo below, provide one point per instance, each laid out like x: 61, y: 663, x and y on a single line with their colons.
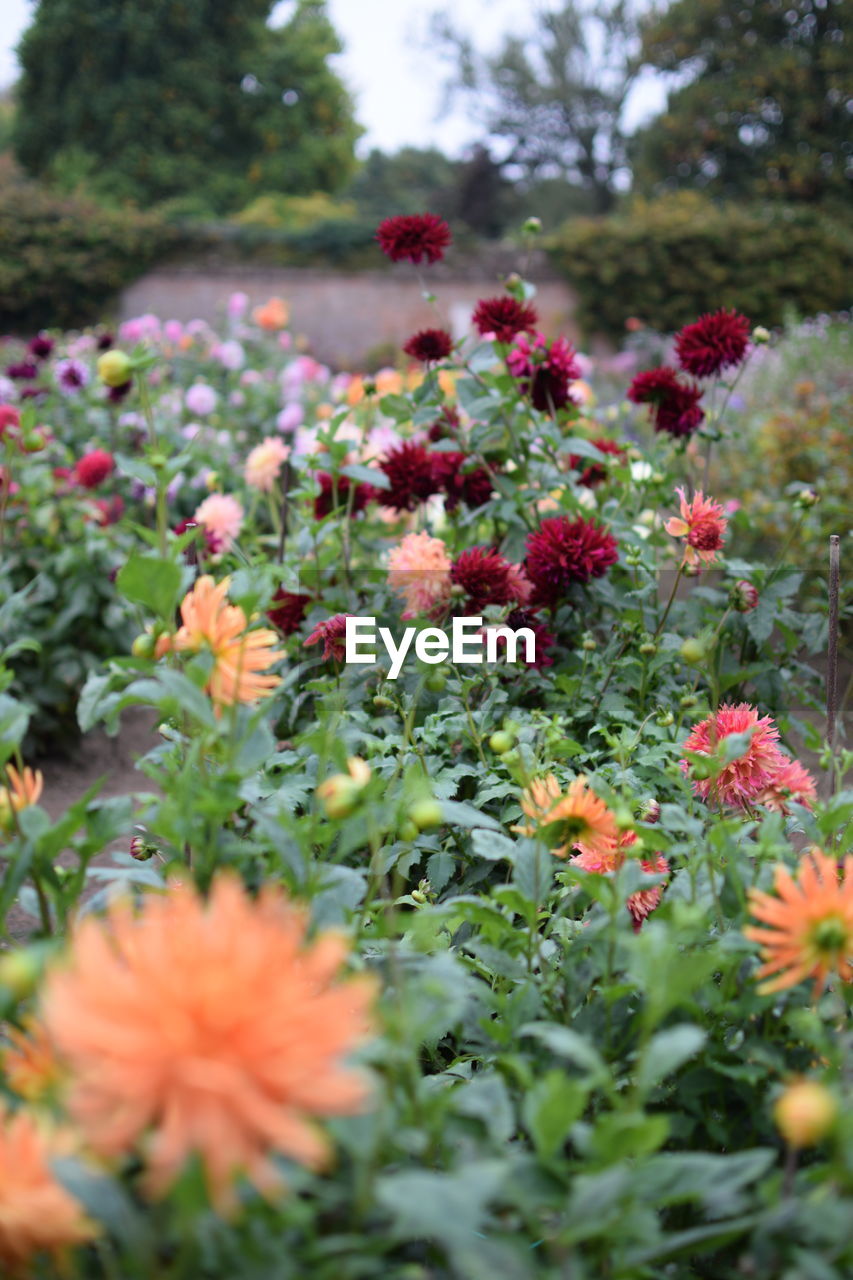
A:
x: 830, y: 937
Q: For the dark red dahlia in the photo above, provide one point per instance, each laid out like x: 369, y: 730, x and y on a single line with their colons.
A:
x: 115, y: 395
x: 713, y: 342
x: 93, y: 468
x: 485, y: 577
x: 544, y: 372
x: 675, y: 404
x: 544, y: 638
x: 211, y: 541
x: 331, y: 633
x: 593, y: 473
x: 40, y: 346
x: 472, y: 486
x: 110, y: 510
x: 429, y: 345
x: 445, y: 426
x: 504, y: 317
x: 410, y: 471
x: 33, y: 393
x: 22, y: 371
x: 324, y: 503
x: 105, y: 341
x: 413, y: 237
x: 562, y: 552
x: 287, y: 610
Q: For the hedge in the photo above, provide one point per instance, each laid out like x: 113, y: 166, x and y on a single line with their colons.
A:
x: 667, y: 261
x: 62, y: 259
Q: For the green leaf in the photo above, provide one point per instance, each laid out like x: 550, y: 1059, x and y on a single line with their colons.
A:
x: 566, y: 1043
x: 534, y: 870
x: 151, y: 582
x: 465, y: 815
x: 366, y: 475
x: 666, y: 1052
x: 550, y: 1109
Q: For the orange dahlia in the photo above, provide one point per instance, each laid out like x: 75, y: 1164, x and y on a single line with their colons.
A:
x: 581, y: 815
x: 209, y: 1028
x: 604, y: 858
x: 37, y: 1214
x: 241, y: 657
x: 702, y: 523
x: 18, y: 791
x: 808, y: 923
x: 29, y: 1064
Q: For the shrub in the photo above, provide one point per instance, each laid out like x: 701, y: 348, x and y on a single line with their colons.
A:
x: 667, y: 261
x: 62, y: 259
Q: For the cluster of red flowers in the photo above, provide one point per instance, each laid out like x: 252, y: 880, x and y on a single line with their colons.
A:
x: 564, y: 552
x: 416, y: 473
x: 545, y: 371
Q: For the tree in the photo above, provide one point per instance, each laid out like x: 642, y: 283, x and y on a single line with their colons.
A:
x: 555, y: 100
x: 766, y: 106
x: 196, y: 99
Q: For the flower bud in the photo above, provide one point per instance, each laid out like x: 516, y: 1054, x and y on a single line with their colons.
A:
x: 115, y: 368
x: 20, y: 971
x: 805, y: 1113
x: 141, y: 850
x: 760, y: 335
x: 650, y: 810
x: 501, y: 742
x: 532, y: 226
x: 687, y: 701
x: 648, y: 648
x: 339, y: 793
x: 806, y: 498
x: 693, y: 651
x: 144, y: 645
x: 589, y: 643
x: 743, y: 596
x: 664, y: 719
x: 426, y: 813
x: 408, y: 831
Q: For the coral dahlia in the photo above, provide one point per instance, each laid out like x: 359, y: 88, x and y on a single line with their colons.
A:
x: 208, y: 1028
x: 743, y: 779
x: 582, y: 816
x: 702, y: 523
x: 419, y: 570
x: 792, y: 784
x: 712, y: 343
x: 603, y: 859
x: 562, y: 552
x: 413, y: 237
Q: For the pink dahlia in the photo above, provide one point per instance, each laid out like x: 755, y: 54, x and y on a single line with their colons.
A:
x: 413, y: 237
x: 606, y: 857
x: 562, y: 552
x: 702, y: 523
x: 93, y: 468
x: 712, y: 343
x: 742, y: 780
x: 429, y: 345
x: 419, y: 571
x: 793, y: 784
x: 503, y: 317
x: 222, y: 518
x: 674, y: 404
x: 545, y: 373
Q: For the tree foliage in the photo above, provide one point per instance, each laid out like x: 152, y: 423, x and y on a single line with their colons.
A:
x: 554, y: 101
x: 195, y: 99
x: 766, y: 106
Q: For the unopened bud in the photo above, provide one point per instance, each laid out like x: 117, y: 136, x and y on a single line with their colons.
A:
x: 806, y: 498
x: 692, y: 651
x: 805, y: 1113
x: 426, y: 813
x: 650, y: 810
x: 339, y: 793
x: 743, y: 596
x: 141, y: 850
x: 115, y: 368
x: 760, y: 335
x: 532, y: 226
x: 589, y: 643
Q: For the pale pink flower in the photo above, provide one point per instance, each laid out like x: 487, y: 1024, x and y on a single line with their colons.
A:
x: 742, y: 780
x: 201, y: 399
x: 792, y: 784
x: 290, y: 417
x: 702, y: 523
x: 419, y: 571
x: 222, y: 517
x: 264, y: 464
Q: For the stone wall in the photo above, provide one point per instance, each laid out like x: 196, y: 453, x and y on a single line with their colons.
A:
x: 343, y: 316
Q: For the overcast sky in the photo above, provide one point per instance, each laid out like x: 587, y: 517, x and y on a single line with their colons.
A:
x: 395, y: 77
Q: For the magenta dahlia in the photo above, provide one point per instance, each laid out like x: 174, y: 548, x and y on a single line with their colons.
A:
x: 503, y: 317
x: 712, y: 343
x: 93, y: 468
x: 429, y: 345
x: 411, y: 474
x: 562, y: 552
x: 413, y: 237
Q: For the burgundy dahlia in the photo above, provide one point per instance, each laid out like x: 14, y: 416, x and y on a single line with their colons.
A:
x: 110, y: 510
x: 331, y: 633
x: 562, y: 552
x: 22, y: 371
x: 115, y: 395
x: 545, y: 373
x: 544, y: 638
x: 593, y: 473
x: 675, y: 404
x: 40, y: 346
x: 93, y: 468
x: 287, y: 610
x: 504, y: 317
x: 104, y: 341
x: 324, y: 503
x: 445, y: 426
x: 410, y: 471
x: 712, y: 343
x: 413, y: 237
x: 473, y: 487
x: 485, y: 577
x: 429, y: 345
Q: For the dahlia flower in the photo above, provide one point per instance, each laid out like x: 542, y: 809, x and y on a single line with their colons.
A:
x: 419, y: 570
x: 37, y: 1214
x: 712, y: 343
x: 210, y: 1028
x: 331, y: 633
x: 324, y: 503
x: 807, y: 924
x: 410, y: 471
x: 413, y: 237
x: 429, y: 345
x: 222, y: 517
x: 545, y: 373
x: 543, y: 638
x: 485, y: 576
x: 18, y: 791
x: 287, y: 610
x: 562, y: 552
x: 472, y: 486
x: 702, y: 523
x: 71, y: 376
x: 743, y: 596
x: 592, y: 473
x: 40, y: 346
x: 581, y: 814
x: 674, y: 403
x: 743, y: 779
x: 264, y: 464
x: 242, y: 658
x: 273, y: 315
x: 604, y: 858
x: 503, y: 317
x: 791, y: 784
x: 29, y: 1064
x: 22, y: 371
x: 201, y: 399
